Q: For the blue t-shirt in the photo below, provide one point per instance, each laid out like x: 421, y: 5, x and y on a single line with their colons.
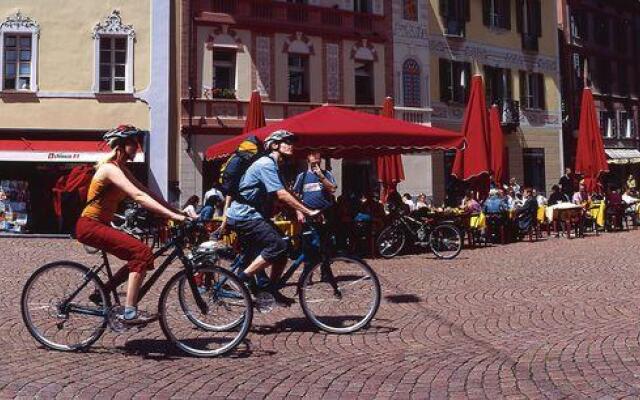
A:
x: 256, y: 188
x: 313, y: 192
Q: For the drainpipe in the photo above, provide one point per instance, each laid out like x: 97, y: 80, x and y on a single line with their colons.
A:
x: 191, y: 69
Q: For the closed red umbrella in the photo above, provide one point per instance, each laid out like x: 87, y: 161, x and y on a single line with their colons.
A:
x: 472, y: 163
x: 390, y: 170
x: 497, y: 145
x: 591, y: 160
x: 255, y: 114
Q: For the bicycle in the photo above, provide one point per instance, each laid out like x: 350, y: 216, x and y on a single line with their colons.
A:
x: 443, y: 238
x: 58, y: 313
x: 330, y: 283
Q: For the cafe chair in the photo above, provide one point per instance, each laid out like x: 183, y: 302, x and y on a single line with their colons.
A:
x: 614, y: 216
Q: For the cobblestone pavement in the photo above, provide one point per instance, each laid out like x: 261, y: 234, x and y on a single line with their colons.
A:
x: 553, y: 319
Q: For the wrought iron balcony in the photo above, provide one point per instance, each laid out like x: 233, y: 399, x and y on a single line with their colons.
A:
x: 256, y: 14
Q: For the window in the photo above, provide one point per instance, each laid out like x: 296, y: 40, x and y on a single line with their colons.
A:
x: 626, y: 124
x: 622, y: 81
x: 17, y: 62
x: 113, y: 55
x: 454, y: 81
x: 601, y: 30
x: 455, y: 13
x: 411, y: 83
x: 603, y: 74
x: 410, y: 10
x: 532, y: 90
x: 607, y: 124
x: 113, y: 64
x: 497, y: 13
x: 362, y: 6
x: 498, y: 84
x: 534, y: 168
x: 224, y: 69
x: 19, y: 53
x: 529, y: 23
x: 364, y: 82
x: 298, y: 77
x: 579, y: 26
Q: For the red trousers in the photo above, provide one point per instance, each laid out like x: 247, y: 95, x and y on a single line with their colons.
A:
x: 93, y: 233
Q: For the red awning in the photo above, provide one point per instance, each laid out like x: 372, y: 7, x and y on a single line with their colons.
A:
x: 339, y: 132
x: 55, y: 150
x: 591, y: 159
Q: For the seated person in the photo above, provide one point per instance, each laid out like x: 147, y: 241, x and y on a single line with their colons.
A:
x: 470, y: 204
x: 212, y: 208
x: 494, y: 204
x: 408, y: 200
x: 396, y: 205
x: 629, y: 198
x: 422, y: 202
x: 557, y: 196
x: 527, y: 214
x: 613, y: 198
x: 539, y: 198
x: 581, y: 197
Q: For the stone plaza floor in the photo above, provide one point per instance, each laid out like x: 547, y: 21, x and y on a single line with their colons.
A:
x: 554, y: 319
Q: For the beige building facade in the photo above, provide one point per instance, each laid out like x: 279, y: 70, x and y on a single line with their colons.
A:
x: 513, y: 44
x: 71, y: 70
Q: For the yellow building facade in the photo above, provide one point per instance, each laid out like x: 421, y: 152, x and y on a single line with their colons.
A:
x: 513, y: 44
x: 71, y: 70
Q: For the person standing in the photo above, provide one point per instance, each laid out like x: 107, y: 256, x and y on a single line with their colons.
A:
x: 315, y: 186
x: 566, y: 183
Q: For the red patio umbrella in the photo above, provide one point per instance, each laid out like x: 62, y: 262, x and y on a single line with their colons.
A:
x: 255, y: 114
x: 591, y: 160
x: 497, y: 145
x: 339, y: 132
x: 390, y: 170
x: 472, y: 163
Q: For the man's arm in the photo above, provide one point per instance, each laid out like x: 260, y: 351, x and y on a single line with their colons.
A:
x: 154, y: 196
x: 325, y: 180
x: 288, y: 199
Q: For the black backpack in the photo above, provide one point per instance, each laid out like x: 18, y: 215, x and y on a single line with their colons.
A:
x: 235, y: 167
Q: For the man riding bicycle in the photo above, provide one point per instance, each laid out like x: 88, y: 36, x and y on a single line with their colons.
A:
x: 111, y: 184
x: 250, y: 211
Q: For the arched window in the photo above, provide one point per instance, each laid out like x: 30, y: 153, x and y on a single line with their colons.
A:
x: 411, y: 83
x: 410, y: 10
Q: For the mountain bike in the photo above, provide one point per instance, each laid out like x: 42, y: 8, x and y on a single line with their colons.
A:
x: 443, y: 238
x: 59, y: 313
x: 338, y: 293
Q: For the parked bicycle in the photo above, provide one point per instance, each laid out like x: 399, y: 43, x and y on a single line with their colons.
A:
x: 442, y: 238
x: 58, y: 313
x: 338, y: 293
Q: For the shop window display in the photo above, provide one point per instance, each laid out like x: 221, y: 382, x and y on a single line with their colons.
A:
x: 14, y: 205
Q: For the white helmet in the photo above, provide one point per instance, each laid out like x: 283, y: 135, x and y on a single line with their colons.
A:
x: 278, y: 136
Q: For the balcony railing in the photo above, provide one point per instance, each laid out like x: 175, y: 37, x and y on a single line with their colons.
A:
x: 414, y: 115
x: 229, y: 113
x: 291, y: 16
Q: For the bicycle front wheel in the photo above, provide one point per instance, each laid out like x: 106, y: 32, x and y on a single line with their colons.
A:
x: 391, y: 241
x: 56, y: 306
x: 220, y: 327
x: 446, y: 241
x: 341, y: 295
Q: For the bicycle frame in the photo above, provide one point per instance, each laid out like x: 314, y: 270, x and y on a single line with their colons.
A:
x: 178, y: 252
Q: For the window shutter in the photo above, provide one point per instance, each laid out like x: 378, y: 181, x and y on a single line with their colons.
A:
x: 507, y: 72
x: 444, y: 8
x: 445, y: 80
x: 519, y: 8
x: 506, y: 8
x: 486, y: 12
x: 536, y: 18
x: 541, y: 97
x: 466, y: 11
x: 523, y: 90
x: 467, y: 81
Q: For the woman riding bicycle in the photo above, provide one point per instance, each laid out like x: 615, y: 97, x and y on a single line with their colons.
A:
x: 111, y: 184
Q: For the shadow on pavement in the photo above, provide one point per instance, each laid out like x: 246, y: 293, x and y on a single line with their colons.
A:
x: 304, y: 325
x: 402, y: 298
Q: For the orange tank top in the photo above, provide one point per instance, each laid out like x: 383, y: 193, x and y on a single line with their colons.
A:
x: 107, y: 202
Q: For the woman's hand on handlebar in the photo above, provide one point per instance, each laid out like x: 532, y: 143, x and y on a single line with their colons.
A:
x: 179, y: 217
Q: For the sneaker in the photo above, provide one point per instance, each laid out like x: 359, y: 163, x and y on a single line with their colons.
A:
x: 281, y: 300
x: 142, y: 318
x: 96, y: 298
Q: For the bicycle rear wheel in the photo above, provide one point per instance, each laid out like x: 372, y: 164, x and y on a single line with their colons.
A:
x: 215, y: 331
x: 56, y: 308
x: 445, y: 241
x: 341, y: 295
